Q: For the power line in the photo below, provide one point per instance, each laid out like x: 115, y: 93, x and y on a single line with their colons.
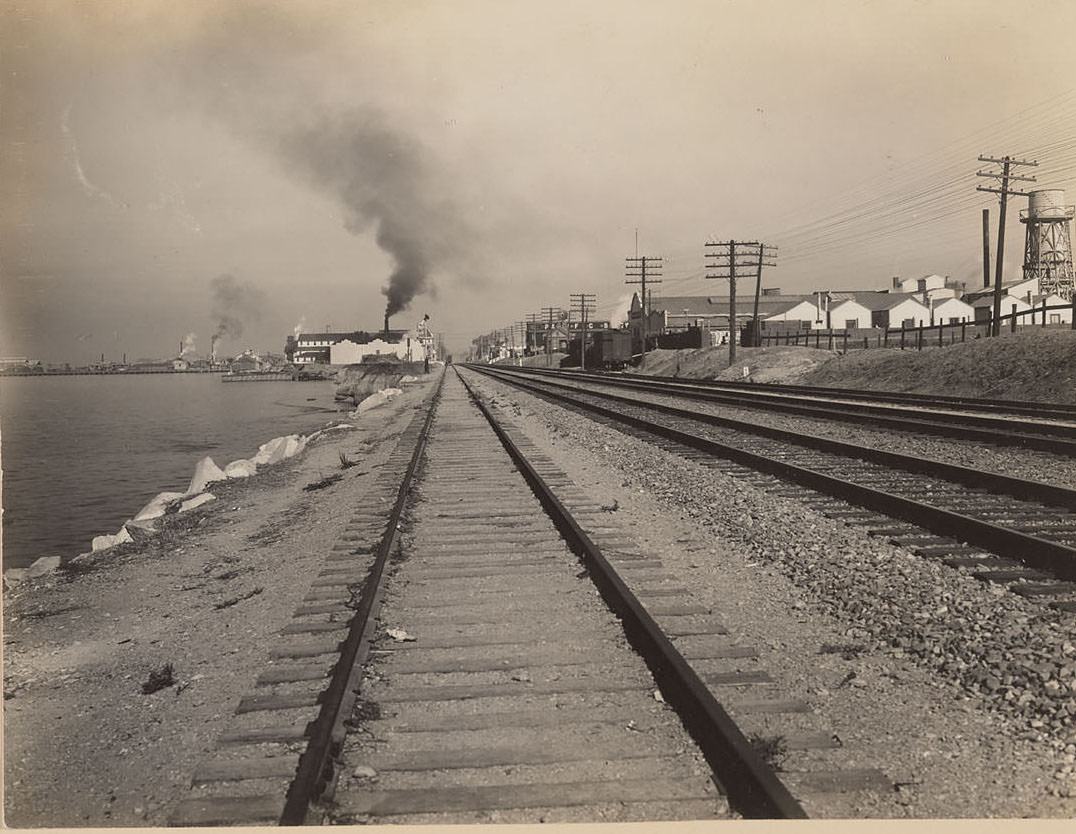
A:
x: 725, y: 260
x: 637, y: 268
x: 586, y: 303
x: 1005, y: 176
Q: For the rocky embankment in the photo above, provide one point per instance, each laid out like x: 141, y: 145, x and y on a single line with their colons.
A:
x: 363, y: 386
x: 355, y: 383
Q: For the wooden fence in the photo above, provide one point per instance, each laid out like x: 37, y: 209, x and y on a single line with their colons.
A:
x: 916, y: 338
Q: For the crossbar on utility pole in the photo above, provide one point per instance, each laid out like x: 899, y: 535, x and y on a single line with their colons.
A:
x: 647, y: 270
x: 1005, y: 176
x: 764, y: 251
x: 586, y: 303
x: 550, y: 312
x: 726, y: 259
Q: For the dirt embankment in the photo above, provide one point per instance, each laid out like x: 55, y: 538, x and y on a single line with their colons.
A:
x: 1030, y: 365
x: 122, y: 670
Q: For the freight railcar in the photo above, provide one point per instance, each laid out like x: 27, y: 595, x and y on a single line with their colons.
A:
x: 606, y: 349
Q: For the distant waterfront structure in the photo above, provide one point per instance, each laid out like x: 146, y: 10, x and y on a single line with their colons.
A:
x: 10, y: 362
x: 351, y: 348
x: 1048, y: 246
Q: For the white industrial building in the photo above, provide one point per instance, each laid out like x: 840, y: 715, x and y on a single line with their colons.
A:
x: 950, y: 310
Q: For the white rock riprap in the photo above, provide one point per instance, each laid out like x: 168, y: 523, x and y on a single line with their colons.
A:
x: 142, y: 526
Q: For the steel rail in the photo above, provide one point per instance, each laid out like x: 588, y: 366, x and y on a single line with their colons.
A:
x: 1055, y: 438
x: 994, y: 482
x: 1043, y: 410
x: 1031, y: 550
x: 315, y: 767
x: 750, y: 784
x: 1033, y: 408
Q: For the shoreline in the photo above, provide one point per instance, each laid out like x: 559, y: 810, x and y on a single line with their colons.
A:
x: 36, y: 558
x: 206, y: 473
x: 84, y: 745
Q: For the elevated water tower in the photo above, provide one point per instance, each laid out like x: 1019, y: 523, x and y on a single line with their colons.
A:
x: 1048, y: 250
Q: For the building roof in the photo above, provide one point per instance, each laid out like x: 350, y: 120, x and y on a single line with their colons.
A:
x: 878, y: 301
x: 988, y: 300
x: 844, y: 298
x: 949, y: 299
x: 718, y: 305
x: 359, y: 337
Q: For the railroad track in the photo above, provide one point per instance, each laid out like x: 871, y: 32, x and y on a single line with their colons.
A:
x: 1004, y: 529
x: 1043, y: 427
x: 1036, y: 410
x: 495, y: 648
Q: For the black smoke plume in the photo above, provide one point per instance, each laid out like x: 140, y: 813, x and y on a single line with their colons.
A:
x: 233, y: 303
x: 260, y: 71
x: 386, y: 182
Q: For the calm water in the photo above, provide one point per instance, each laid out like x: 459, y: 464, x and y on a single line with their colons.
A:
x: 82, y: 454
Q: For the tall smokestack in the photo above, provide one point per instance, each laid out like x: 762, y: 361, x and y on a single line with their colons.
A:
x: 386, y: 322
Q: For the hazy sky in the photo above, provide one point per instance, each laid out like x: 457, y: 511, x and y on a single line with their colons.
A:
x: 172, y: 167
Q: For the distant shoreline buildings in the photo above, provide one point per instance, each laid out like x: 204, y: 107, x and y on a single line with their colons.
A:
x: 353, y: 347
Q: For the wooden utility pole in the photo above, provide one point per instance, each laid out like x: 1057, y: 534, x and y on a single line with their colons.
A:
x: 646, y: 270
x: 764, y: 252
x: 1005, y: 177
x: 726, y: 259
x: 586, y: 303
x: 550, y: 312
x: 986, y: 247
x: 533, y: 320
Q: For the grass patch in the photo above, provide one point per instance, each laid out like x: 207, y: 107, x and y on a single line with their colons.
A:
x: 42, y: 613
x: 72, y: 569
x: 228, y: 603
x: 848, y: 651
x: 159, y: 679
x: 324, y: 482
x: 364, y: 710
x: 346, y: 462
x: 280, y: 525
x: 772, y: 749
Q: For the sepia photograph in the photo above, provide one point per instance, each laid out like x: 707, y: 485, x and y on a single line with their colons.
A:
x: 511, y: 415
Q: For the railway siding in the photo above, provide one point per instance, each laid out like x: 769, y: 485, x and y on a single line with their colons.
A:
x: 972, y: 505
x: 964, y: 684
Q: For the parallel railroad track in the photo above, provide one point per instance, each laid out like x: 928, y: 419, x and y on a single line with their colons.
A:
x: 1036, y: 410
x: 495, y: 649
x: 1006, y: 529
x: 1033, y: 426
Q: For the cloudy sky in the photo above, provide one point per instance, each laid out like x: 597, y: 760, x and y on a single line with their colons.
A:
x: 174, y: 169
